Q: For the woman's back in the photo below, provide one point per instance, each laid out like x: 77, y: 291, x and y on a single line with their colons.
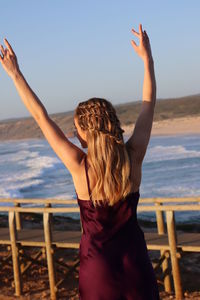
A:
x: 114, y: 261
x: 80, y: 180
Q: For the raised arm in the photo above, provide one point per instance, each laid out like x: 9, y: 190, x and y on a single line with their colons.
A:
x: 70, y: 154
x: 139, y: 140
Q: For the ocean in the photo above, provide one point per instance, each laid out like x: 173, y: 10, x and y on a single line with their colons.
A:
x: 171, y: 168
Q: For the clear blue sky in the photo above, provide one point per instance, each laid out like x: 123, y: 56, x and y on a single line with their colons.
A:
x: 70, y: 51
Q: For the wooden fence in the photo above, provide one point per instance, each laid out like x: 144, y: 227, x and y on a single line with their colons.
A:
x: 168, y: 242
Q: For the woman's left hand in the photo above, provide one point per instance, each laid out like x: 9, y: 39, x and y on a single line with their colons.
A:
x: 8, y: 60
x: 144, y: 48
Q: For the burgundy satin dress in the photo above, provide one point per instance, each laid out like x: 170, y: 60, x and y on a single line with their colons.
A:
x: 114, y: 261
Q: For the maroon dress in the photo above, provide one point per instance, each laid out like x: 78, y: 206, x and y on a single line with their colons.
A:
x: 114, y: 261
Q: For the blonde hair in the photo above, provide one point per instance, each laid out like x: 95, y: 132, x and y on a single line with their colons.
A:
x: 107, y: 154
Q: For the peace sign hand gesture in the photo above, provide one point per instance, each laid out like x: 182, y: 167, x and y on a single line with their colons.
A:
x: 144, y: 48
x: 8, y: 59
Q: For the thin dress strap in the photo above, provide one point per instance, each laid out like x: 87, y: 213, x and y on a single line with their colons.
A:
x: 88, y: 183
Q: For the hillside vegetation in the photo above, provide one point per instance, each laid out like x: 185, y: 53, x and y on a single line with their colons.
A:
x: 127, y: 112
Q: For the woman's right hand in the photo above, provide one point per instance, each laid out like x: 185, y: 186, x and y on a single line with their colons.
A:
x: 144, y: 48
x: 8, y: 60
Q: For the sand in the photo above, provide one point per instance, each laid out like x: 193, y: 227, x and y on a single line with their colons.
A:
x: 28, y: 129
x: 178, y: 126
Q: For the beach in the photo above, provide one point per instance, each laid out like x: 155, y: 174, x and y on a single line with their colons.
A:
x: 177, y: 126
x: 26, y: 129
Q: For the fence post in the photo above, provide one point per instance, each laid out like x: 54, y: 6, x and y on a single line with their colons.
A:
x: 173, y: 253
x: 15, y: 254
x: 165, y: 265
x: 18, y: 217
x: 49, y: 254
x: 48, y: 205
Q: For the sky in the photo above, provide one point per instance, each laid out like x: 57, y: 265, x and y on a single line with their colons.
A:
x: 70, y: 51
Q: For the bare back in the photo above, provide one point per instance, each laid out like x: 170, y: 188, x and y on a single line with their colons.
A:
x: 80, y: 180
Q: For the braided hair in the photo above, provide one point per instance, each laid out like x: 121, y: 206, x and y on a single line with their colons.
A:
x: 107, y: 154
x: 99, y: 115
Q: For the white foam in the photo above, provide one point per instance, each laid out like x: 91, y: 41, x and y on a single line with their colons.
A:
x: 17, y: 157
x: 163, y: 153
x: 27, y: 167
x: 12, y: 190
x: 171, y: 190
x: 65, y: 196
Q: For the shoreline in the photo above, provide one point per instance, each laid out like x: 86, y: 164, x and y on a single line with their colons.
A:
x: 171, y: 127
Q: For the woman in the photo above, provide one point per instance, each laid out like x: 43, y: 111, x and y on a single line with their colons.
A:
x: 114, y: 261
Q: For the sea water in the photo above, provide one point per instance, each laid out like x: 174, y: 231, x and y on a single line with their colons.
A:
x: 171, y: 168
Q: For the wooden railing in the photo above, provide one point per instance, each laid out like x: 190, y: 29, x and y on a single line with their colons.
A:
x: 167, y: 243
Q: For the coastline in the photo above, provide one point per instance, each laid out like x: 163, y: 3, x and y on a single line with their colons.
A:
x: 173, y: 127
x: 178, y: 126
